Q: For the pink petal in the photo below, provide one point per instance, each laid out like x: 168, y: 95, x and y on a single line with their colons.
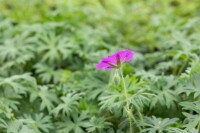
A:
x: 101, y: 65
x: 125, y: 55
x: 112, y: 61
x: 121, y: 55
x: 129, y: 55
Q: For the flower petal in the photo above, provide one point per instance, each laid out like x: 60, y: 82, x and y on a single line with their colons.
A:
x: 129, y: 55
x: 102, y: 65
x: 115, y: 60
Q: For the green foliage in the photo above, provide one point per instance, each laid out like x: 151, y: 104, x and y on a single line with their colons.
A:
x: 74, y: 123
x: 97, y: 125
x: 69, y: 105
x: 54, y: 48
x: 153, y: 125
x: 48, y: 52
x: 47, y: 97
x: 47, y: 73
x: 40, y: 123
x: 114, y: 99
x: 163, y: 88
x: 192, y: 120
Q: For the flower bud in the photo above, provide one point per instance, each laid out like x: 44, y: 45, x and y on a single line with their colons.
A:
x: 116, y: 78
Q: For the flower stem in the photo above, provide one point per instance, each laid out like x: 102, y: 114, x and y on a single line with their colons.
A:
x: 127, y: 102
x: 198, y: 127
x: 141, y: 117
x: 128, y: 109
x: 183, y: 66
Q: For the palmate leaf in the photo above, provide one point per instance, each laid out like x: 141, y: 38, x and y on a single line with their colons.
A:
x: 11, y: 102
x: 19, y: 83
x: 138, y: 92
x: 194, y: 106
x: 18, y: 126
x: 183, y: 43
x: 17, y: 47
x: 10, y: 98
x: 190, y: 80
x: 114, y: 98
x: 47, y: 73
x: 74, y: 123
x: 183, y: 49
x: 12, y: 89
x: 6, y: 27
x: 47, y: 96
x: 153, y: 125
x: 192, y: 119
x: 19, y: 60
x: 190, y: 85
x: 163, y: 88
x: 69, y: 104
x: 193, y: 130
x: 5, y: 110
x: 146, y: 75
x: 3, y: 125
x: 90, y: 36
x: 54, y: 48
x: 25, y: 129
x: 94, y: 84
x: 96, y: 125
x: 40, y: 123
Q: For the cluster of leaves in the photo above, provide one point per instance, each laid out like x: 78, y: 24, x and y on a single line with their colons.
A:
x: 48, y: 52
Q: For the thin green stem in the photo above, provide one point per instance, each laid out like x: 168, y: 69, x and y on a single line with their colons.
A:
x: 127, y: 102
x: 140, y: 115
x: 183, y: 66
x: 130, y: 124
x: 129, y: 110
x: 125, y: 90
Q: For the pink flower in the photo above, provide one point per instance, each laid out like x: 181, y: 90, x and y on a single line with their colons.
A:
x: 115, y: 60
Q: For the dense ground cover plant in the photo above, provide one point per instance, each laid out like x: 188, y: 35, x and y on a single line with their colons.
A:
x: 48, y: 77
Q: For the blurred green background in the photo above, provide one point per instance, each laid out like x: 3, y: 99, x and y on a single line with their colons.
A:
x: 48, y: 53
x: 147, y: 23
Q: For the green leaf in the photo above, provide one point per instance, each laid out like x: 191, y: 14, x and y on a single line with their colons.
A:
x: 69, y: 104
x: 192, y: 120
x: 19, y: 83
x: 163, y: 88
x: 96, y: 125
x: 74, y: 123
x: 53, y: 47
x: 153, y: 124
x: 40, y: 123
x: 48, y: 97
x: 47, y: 73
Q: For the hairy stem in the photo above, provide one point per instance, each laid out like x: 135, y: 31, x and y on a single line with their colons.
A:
x: 128, y: 109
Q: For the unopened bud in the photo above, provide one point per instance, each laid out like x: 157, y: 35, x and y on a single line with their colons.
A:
x: 116, y: 78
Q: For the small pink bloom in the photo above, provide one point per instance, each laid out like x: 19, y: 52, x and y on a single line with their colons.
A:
x: 115, y: 60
